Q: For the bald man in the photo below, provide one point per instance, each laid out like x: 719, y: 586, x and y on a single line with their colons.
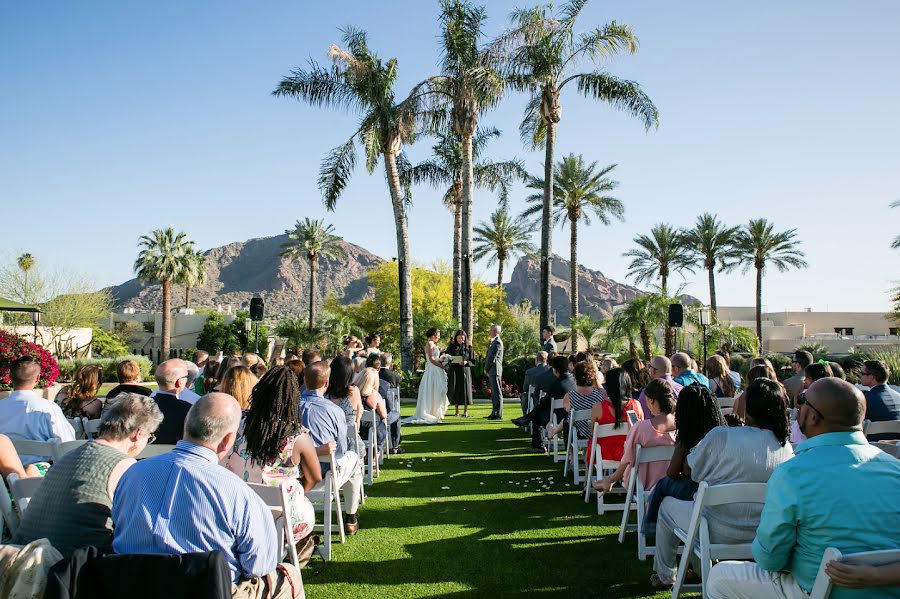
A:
x: 659, y: 368
x: 684, y: 373
x: 838, y: 491
x: 171, y: 378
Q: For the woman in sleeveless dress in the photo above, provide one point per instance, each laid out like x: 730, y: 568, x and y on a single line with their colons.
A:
x: 346, y: 396
x: 432, y: 402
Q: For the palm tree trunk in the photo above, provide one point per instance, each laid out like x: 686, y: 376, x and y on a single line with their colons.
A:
x: 573, y: 269
x: 187, y: 297
x: 166, y: 333
x: 457, y: 260
x: 546, y: 229
x: 632, y: 349
x: 645, y: 341
x: 403, y: 264
x: 500, y: 263
x: 313, y: 284
x: 712, y: 289
x: 759, y: 309
x: 468, y: 190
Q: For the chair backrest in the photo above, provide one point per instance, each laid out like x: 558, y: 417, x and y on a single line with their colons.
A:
x: 44, y: 449
x: 77, y: 426
x: 726, y: 411
x: 556, y: 404
x: 90, y: 427
x: 888, y: 448
x: 276, y: 499
x: 822, y: 586
x: 393, y: 399
x: 67, y: 446
x: 23, y: 489
x: 881, y: 428
x: 710, y: 495
x: 726, y: 402
x: 155, y: 449
x: 609, y: 430
x: 645, y: 455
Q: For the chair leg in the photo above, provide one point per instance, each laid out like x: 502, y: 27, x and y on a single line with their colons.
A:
x: 682, y: 568
x: 629, y: 495
x: 587, y: 475
x: 336, y: 493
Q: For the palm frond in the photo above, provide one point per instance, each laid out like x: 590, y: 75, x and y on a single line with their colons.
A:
x: 335, y: 172
x: 620, y: 93
x: 320, y: 87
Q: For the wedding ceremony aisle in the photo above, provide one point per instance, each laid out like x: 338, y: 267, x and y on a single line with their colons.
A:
x: 468, y: 512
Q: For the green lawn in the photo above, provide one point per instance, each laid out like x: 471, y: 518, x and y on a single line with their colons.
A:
x: 494, y: 531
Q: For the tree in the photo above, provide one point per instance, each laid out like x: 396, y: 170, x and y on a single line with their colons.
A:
x: 587, y: 327
x: 163, y: 256
x: 360, y: 81
x: 502, y: 239
x: 298, y: 334
x: 713, y: 246
x: 579, y: 190
x: 468, y: 85
x: 192, y: 275
x: 312, y: 239
x: 543, y: 54
x: 444, y: 168
x: 896, y: 242
x: 759, y: 246
x: 25, y: 262
x: 643, y: 314
x: 660, y: 254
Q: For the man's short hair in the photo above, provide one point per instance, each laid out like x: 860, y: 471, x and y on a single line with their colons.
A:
x: 24, y: 371
x: 201, y: 357
x: 167, y: 373
x: 316, y: 375
x: 386, y: 360
x: 541, y: 357
x: 497, y: 327
x: 126, y: 413
x: 804, y: 358
x: 208, y: 422
x: 681, y: 360
x: 373, y: 361
x: 560, y: 364
x: 128, y: 371
x: 877, y: 369
x: 310, y: 356
x: 549, y: 329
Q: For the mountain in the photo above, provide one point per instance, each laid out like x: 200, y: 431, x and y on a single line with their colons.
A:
x: 239, y: 271
x: 597, y: 293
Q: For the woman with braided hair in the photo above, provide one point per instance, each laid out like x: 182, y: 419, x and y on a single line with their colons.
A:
x: 273, y: 447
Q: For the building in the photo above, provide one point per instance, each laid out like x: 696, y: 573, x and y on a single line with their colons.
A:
x: 143, y: 330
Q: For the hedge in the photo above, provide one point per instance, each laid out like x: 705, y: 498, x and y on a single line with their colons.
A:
x: 67, y: 368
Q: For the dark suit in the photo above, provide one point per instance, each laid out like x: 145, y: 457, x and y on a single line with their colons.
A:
x: 556, y: 388
x: 529, y: 384
x: 393, y: 378
x: 493, y: 367
x: 550, y: 345
x: 882, y: 404
x: 393, y: 417
x: 174, y: 412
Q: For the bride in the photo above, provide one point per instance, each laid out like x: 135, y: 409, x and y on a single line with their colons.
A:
x: 432, y: 402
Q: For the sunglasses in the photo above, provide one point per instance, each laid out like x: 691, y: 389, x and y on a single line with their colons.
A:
x: 802, y: 401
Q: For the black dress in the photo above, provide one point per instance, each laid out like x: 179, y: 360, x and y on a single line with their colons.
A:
x: 459, y: 376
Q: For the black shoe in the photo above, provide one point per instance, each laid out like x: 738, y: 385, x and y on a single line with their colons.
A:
x: 495, y: 417
x: 396, y: 450
x: 521, y: 421
x: 489, y: 417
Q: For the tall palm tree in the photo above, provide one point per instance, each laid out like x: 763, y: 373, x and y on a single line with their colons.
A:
x: 659, y: 255
x: 444, y: 169
x: 25, y: 263
x: 163, y: 256
x: 760, y: 247
x: 543, y: 54
x: 359, y: 80
x: 502, y: 239
x: 579, y: 190
x: 312, y: 239
x: 469, y: 84
x: 713, y: 246
x: 193, y: 275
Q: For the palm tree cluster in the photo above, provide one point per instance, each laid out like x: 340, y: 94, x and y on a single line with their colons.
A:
x: 540, y: 53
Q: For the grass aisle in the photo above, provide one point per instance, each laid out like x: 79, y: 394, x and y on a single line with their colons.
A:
x: 468, y: 512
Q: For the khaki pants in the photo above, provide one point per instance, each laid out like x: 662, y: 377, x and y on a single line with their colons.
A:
x: 283, y: 583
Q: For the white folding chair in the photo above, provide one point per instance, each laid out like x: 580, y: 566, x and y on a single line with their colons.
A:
x: 709, y: 496
x: 41, y: 449
x: 891, y: 427
x: 90, y: 427
x: 326, y: 498
x: 555, y: 404
x: 23, y: 489
x: 10, y: 517
x: 77, y: 426
x: 726, y: 411
x: 822, y: 586
x: 155, y: 449
x: 726, y: 402
x: 638, y: 495
x: 575, y: 445
x: 597, y: 466
x: 277, y: 500
x: 888, y: 448
x: 67, y: 446
x: 393, y: 405
x: 371, y: 445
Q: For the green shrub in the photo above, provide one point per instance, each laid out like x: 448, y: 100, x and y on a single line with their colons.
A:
x: 67, y: 368
x: 106, y: 344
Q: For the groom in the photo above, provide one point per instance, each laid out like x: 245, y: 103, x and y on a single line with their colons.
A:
x: 493, y: 368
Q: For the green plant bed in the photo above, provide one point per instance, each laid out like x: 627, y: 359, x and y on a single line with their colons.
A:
x: 484, y: 535
x: 67, y: 368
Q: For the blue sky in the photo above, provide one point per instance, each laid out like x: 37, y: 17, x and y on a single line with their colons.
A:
x: 123, y: 116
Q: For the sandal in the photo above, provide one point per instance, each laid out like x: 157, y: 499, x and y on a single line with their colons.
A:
x: 658, y: 584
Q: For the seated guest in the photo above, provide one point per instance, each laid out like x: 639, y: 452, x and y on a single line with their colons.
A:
x: 757, y: 371
x: 10, y: 462
x: 745, y: 454
x: 636, y: 371
x: 80, y: 398
x: 250, y: 359
x: 812, y: 373
x: 345, y: 395
x: 327, y: 425
x: 838, y: 491
x: 794, y: 384
x: 657, y: 431
x: 387, y: 371
x: 555, y: 384
x: 612, y: 410
x: 296, y: 365
x: 273, y: 447
x: 722, y: 385
x: 201, y: 359
x: 224, y: 366
x: 184, y: 502
x: 882, y: 402
x: 660, y: 369
x: 129, y: 375
x: 238, y: 383
x: 374, y: 362
x: 582, y: 397
x: 837, y: 371
x: 209, y: 377
x: 684, y: 371
x: 72, y: 506
x: 608, y: 364
x: 310, y: 356
x: 367, y: 383
x: 393, y: 380
x: 259, y: 369
x: 540, y: 367
x: 188, y: 394
x: 734, y: 375
x: 171, y: 376
x: 696, y: 413
x: 26, y: 415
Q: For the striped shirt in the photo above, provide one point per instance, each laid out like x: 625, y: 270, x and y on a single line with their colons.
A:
x: 184, y: 502
x: 577, y: 401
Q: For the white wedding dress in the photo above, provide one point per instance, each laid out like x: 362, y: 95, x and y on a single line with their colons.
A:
x: 432, y: 402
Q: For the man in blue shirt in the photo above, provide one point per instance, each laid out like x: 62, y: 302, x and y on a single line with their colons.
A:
x: 184, y: 502
x: 684, y: 374
x: 882, y: 402
x: 838, y: 491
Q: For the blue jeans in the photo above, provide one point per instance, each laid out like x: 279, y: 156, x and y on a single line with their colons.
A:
x: 680, y: 488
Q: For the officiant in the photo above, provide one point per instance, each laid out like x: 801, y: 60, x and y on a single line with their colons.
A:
x: 459, y: 374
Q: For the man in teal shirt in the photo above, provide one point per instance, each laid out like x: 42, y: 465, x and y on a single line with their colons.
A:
x: 837, y: 491
x: 684, y: 374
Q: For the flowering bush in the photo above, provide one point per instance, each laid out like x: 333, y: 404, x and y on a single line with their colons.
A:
x: 506, y: 389
x: 12, y: 347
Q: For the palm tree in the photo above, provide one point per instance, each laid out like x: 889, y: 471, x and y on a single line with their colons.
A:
x: 644, y: 314
x: 25, y: 263
x: 713, y: 246
x: 445, y: 167
x: 312, y: 239
x: 896, y: 243
x: 359, y: 80
x: 760, y: 246
x: 468, y: 85
x: 193, y: 275
x: 543, y: 54
x: 163, y: 256
x: 579, y: 190
x: 502, y: 239
x: 586, y: 326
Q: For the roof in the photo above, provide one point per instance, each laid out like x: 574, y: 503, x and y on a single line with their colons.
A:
x: 11, y: 306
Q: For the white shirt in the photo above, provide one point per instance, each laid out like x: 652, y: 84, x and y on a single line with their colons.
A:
x: 184, y: 395
x: 25, y: 415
